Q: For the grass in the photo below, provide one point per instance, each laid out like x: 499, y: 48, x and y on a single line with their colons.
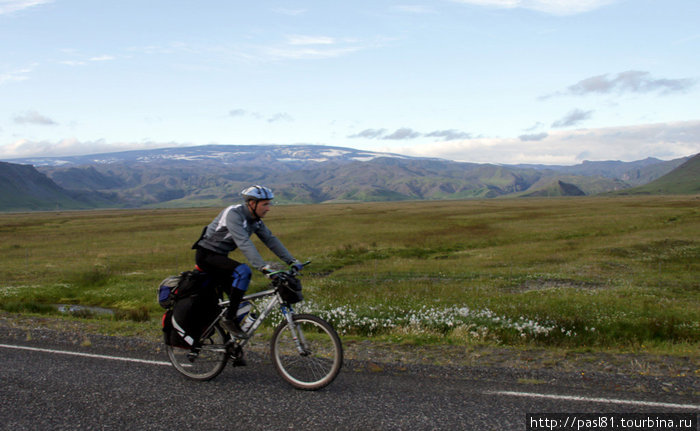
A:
x: 618, y: 272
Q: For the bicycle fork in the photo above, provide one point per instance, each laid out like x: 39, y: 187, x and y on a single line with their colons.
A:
x: 297, y: 333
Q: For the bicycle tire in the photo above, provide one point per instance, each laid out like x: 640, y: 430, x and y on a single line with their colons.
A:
x: 324, y: 353
x: 208, y: 363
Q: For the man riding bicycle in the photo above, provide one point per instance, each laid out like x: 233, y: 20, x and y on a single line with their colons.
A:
x: 232, y: 229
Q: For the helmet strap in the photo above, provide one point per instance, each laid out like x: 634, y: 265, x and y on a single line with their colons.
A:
x: 254, y: 209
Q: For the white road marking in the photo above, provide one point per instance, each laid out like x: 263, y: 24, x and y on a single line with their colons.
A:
x: 86, y: 355
x: 596, y: 400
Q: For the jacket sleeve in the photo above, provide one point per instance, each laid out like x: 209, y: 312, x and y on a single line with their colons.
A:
x: 274, y: 244
x: 235, y: 223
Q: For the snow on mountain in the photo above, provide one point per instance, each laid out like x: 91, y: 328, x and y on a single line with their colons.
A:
x: 227, y: 154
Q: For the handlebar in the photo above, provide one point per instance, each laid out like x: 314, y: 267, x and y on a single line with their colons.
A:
x: 291, y: 270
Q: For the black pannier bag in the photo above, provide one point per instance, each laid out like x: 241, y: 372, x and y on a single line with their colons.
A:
x: 170, y: 336
x: 192, y: 315
x: 290, y: 290
x: 179, y: 286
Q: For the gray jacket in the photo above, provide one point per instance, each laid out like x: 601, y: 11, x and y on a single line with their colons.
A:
x: 232, y: 229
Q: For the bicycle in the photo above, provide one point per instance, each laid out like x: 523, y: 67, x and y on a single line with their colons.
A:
x: 305, y: 349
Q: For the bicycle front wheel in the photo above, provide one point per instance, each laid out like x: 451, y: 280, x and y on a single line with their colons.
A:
x: 206, y: 362
x: 313, y: 363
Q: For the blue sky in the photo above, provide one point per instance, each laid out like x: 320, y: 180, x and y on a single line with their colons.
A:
x: 498, y: 81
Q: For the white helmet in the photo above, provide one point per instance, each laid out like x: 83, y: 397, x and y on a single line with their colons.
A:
x: 257, y: 193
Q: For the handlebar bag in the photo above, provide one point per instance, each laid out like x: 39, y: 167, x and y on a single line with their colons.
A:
x: 290, y: 290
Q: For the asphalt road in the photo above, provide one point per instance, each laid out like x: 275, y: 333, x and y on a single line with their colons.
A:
x: 44, y: 387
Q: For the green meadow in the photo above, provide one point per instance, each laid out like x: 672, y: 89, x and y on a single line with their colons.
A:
x: 618, y: 272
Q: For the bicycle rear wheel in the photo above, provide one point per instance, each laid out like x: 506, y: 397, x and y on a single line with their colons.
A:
x: 320, y: 360
x: 204, y: 364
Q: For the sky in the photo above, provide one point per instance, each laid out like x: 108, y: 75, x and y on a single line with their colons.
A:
x: 485, y: 81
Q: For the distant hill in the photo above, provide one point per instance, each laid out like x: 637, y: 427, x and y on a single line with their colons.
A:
x: 552, y: 188
x: 23, y: 188
x: 213, y: 175
x: 646, y: 174
x: 86, y: 178
x: 633, y: 173
x: 685, y: 179
x: 572, y: 185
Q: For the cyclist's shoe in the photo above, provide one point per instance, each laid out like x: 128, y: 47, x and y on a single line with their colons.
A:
x: 233, y: 328
x: 236, y: 355
x: 239, y: 361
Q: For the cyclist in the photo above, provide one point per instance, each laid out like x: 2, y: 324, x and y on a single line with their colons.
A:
x: 232, y: 229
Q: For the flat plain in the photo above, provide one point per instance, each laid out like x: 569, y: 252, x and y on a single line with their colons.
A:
x: 585, y: 273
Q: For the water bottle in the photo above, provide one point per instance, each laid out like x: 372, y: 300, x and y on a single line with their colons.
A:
x: 248, y: 321
x: 244, y: 317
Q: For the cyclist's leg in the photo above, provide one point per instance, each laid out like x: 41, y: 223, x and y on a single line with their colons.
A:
x: 235, y: 279
x: 233, y: 276
x: 240, y: 280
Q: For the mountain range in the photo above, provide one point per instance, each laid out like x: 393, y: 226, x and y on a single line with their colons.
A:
x: 213, y: 175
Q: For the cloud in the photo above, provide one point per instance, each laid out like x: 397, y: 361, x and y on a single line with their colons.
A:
x: 553, y: 7
x: 572, y: 118
x: 72, y: 147
x: 627, y: 143
x: 15, y: 75
x: 102, y: 58
x: 237, y: 112
x: 81, y: 60
x: 73, y: 62
x: 533, y: 137
x: 300, y: 47
x: 33, y: 117
x: 407, y: 133
x: 8, y: 6
x: 369, y: 134
x: 274, y: 118
x: 280, y: 116
x: 309, y: 40
x: 293, y: 52
x: 403, y: 133
x: 631, y: 81
x: 287, y: 47
x: 534, y: 127
x: 448, y: 135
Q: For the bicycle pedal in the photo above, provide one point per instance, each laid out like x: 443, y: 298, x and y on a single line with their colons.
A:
x: 239, y: 362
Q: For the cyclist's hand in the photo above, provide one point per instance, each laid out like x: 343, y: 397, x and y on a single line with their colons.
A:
x: 267, y: 270
x: 270, y: 270
x: 297, y: 266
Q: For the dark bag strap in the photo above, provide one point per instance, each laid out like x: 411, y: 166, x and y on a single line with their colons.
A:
x: 194, y: 246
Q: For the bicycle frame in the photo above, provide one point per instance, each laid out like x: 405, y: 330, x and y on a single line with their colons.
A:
x: 273, y: 303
